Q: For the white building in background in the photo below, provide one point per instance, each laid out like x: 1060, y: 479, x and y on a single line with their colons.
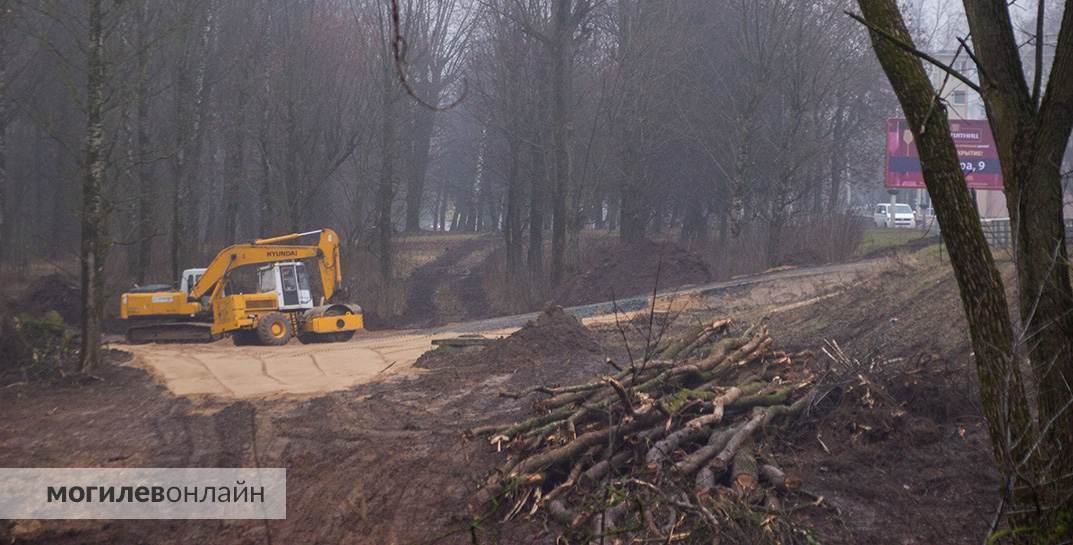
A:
x: 962, y: 102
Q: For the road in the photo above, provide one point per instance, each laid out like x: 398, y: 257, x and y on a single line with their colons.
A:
x: 223, y: 370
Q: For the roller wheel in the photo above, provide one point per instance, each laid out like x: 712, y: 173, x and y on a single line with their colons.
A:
x: 274, y: 329
x: 342, y: 336
x: 313, y: 338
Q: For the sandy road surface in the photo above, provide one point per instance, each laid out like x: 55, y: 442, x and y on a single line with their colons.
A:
x: 221, y: 369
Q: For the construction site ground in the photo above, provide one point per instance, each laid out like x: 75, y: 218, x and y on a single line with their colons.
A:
x: 371, y: 431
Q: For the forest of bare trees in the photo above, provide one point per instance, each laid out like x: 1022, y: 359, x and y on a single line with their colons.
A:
x: 222, y: 121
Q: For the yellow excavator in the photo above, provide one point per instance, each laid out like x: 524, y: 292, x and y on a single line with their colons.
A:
x: 282, y: 306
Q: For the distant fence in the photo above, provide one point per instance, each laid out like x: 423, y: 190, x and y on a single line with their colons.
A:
x: 997, y: 231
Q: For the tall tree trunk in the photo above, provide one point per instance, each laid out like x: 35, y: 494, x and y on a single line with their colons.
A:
x: 385, y: 191
x: 194, y: 185
x: 5, y: 239
x: 561, y: 81
x: 537, y: 200
x: 838, y: 154
x: 512, y: 221
x: 424, y: 123
x: 190, y: 116
x: 633, y: 217
x: 694, y: 222
x: 774, y: 237
x: 146, y: 218
x: 1031, y: 138
x: 1002, y: 393
x: 93, y: 247
x: 234, y: 170
x: 180, y: 167
x: 267, y: 198
x: 292, y: 183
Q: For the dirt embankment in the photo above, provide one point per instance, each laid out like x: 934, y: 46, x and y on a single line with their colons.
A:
x: 634, y: 269
x: 901, y: 453
x: 446, y: 271
x: 54, y: 292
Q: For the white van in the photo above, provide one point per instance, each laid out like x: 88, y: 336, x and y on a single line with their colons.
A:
x: 903, y: 216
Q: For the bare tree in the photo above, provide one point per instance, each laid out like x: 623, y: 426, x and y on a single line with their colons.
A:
x: 1032, y: 128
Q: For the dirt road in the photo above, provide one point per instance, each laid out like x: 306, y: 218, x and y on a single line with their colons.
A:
x: 222, y: 370
x: 387, y: 460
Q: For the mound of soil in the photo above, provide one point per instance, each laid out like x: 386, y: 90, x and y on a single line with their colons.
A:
x: 631, y: 269
x: 554, y: 336
x: 553, y: 333
x: 52, y: 292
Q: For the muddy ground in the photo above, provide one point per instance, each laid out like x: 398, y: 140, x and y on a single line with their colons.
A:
x: 386, y: 461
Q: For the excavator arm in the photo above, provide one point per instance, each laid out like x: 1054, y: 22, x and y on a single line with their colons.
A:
x: 269, y: 250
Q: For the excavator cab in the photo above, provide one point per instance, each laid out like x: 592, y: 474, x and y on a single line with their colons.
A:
x: 190, y: 279
x: 290, y: 282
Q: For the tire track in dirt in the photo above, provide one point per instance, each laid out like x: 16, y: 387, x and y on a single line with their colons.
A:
x: 208, y: 369
x: 313, y: 358
x: 264, y: 371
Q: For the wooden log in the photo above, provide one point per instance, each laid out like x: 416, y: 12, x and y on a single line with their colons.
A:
x: 677, y: 345
x: 663, y: 448
x: 787, y: 411
x: 736, y: 361
x: 706, y: 336
x: 731, y: 398
x: 722, y: 460
x: 779, y: 479
x: 511, y: 431
x: 771, y: 502
x: 607, y: 521
x: 600, y: 469
x: 558, y: 512
x: 572, y: 477
x: 725, y: 349
x: 464, y: 341
x: 552, y: 390
x: 705, y: 481
x: 717, y: 441
x: 744, y: 476
x: 594, y: 391
x: 777, y: 397
x: 583, y: 442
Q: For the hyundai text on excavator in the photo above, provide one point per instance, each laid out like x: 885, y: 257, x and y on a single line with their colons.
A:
x: 281, y: 308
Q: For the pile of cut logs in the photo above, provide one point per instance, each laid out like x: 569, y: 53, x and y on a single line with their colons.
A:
x: 664, y: 450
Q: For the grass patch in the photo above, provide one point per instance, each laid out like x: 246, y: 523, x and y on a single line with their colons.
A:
x: 875, y: 240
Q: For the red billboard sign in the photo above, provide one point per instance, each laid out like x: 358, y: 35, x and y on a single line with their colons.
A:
x: 976, y: 150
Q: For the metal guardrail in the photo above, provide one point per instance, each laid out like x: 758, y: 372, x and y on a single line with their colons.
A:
x: 998, y: 233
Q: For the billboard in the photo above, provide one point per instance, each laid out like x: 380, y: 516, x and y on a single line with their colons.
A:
x: 976, y: 151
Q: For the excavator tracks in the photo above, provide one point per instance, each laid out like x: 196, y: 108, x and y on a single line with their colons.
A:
x: 171, y: 332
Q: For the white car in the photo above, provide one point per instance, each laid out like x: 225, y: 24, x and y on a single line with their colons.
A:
x: 903, y: 216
